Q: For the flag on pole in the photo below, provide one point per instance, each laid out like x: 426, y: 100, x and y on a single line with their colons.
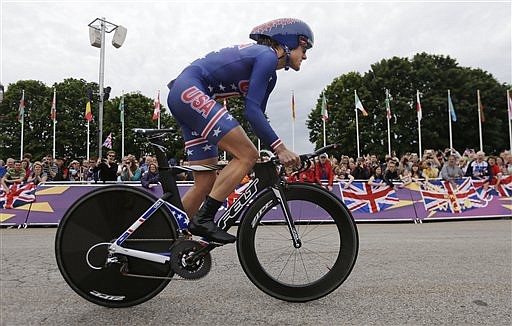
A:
x: 418, y: 105
x: 481, y: 106
x: 388, y: 107
x: 108, y: 142
x: 293, y: 106
x: 325, y: 113
x: 359, y: 105
x: 451, y: 108
x: 156, y: 111
x: 53, y: 113
x: 21, y: 109
x: 121, y: 109
x: 88, y: 113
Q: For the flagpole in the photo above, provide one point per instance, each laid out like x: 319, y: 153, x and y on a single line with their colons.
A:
x: 54, y: 118
x: 388, y: 117
x: 325, y: 141
x: 357, y: 133
x: 419, y: 123
x: 509, y: 105
x: 88, y: 142
x: 479, y: 120
x: 449, y: 121
x: 121, y: 104
x: 357, y: 126
x: 22, y: 123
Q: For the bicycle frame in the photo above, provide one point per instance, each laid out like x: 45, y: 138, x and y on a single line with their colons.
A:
x: 228, y: 218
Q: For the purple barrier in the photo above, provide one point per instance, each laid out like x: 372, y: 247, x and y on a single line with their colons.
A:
x: 374, y: 205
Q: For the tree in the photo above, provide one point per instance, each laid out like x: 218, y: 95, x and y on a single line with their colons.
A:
x: 432, y: 75
x: 38, y: 99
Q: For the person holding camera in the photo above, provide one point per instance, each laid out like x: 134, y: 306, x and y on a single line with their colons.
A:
x: 130, y: 170
x: 107, y: 168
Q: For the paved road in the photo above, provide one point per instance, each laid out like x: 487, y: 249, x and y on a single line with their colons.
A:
x: 452, y: 273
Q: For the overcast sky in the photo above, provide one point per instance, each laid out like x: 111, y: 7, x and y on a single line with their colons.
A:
x: 49, y: 41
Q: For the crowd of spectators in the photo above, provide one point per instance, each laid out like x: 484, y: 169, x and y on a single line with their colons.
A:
x: 447, y: 165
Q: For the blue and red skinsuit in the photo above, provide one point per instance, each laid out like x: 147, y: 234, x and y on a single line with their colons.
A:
x: 247, y: 70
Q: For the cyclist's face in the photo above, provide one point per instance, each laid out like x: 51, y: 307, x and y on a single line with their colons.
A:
x: 296, y: 56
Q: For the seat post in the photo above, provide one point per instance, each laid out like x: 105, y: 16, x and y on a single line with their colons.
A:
x: 167, y: 177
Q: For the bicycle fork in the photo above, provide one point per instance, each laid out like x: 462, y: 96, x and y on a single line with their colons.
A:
x: 280, y: 197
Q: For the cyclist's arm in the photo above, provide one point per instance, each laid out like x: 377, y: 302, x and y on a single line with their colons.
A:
x: 262, y: 82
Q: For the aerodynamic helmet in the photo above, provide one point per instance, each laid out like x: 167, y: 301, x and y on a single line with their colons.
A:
x: 289, y: 32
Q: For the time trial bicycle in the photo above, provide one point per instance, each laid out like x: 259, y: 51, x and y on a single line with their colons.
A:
x: 119, y: 246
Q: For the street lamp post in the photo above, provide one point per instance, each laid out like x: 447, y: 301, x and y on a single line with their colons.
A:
x: 97, y: 38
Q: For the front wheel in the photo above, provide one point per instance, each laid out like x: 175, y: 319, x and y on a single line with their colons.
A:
x: 328, y: 251
x: 85, y: 233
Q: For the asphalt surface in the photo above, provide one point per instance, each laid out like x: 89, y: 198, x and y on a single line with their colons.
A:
x: 442, y: 273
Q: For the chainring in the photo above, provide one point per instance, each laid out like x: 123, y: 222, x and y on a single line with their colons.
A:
x: 182, y: 250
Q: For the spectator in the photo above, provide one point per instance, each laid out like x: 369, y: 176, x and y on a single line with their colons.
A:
x: 107, y: 168
x: 494, y: 170
x: 309, y: 175
x: 359, y: 171
x: 150, y: 178
x: 377, y: 177
x: 62, y: 173
x: 451, y: 170
x: 416, y: 172
x: 148, y: 159
x: 507, y: 163
x: 26, y: 165
x: 290, y: 174
x: 391, y: 172
x: 92, y: 171
x: 74, y: 171
x: 84, y: 170
x: 37, y: 175
x: 374, y: 161
x: 479, y: 168
x: 28, y: 157
x: 404, y: 164
x: 342, y: 176
x: 430, y: 172
x: 324, y: 171
x: 49, y: 166
x: 15, y: 174
x: 131, y: 170
x: 3, y: 169
x: 405, y: 177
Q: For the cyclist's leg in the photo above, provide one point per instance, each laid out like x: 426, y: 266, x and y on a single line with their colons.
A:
x: 244, y: 155
x: 203, y: 183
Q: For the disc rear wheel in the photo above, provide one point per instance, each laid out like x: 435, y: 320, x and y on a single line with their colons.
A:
x: 88, y: 228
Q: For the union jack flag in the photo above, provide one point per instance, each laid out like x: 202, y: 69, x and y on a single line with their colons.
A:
x: 365, y: 198
x: 504, y: 188
x: 443, y: 196
x: 108, y: 142
x: 484, y: 193
x: 19, y: 194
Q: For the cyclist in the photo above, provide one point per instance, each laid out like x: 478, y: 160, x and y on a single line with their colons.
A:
x: 248, y: 70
